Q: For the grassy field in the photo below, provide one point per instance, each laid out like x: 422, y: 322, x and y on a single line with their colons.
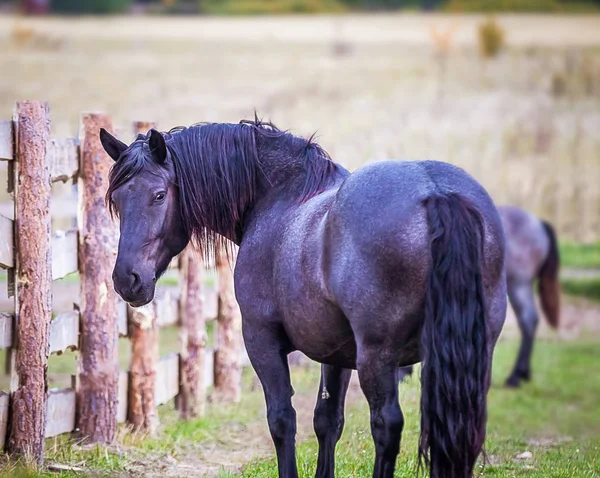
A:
x: 382, y: 86
x: 555, y: 418
x: 580, y: 256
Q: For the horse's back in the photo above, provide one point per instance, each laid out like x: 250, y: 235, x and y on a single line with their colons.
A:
x: 381, y: 207
x: 527, y: 243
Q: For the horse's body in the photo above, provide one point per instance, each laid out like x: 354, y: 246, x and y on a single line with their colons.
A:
x: 531, y: 254
x: 397, y: 262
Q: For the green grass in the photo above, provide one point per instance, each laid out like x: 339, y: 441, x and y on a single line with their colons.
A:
x: 555, y: 417
x: 175, y: 438
x: 580, y: 256
x: 588, y: 288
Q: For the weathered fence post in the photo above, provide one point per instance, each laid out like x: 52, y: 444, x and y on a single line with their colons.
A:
x: 33, y: 281
x: 98, y: 359
x: 192, y: 397
x: 227, y: 362
x: 143, y: 332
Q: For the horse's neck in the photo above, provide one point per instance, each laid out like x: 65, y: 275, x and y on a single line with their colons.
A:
x: 285, y: 169
x: 282, y: 168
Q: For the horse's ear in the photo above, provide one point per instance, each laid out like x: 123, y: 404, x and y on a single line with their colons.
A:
x: 111, y: 145
x: 158, y: 147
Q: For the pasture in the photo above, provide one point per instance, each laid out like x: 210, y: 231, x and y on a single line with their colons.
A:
x: 548, y: 428
x: 374, y: 87
x: 525, y: 124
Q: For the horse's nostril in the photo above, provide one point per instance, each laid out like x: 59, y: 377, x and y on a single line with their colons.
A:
x: 136, y: 278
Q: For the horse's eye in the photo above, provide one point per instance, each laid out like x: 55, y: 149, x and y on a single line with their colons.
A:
x: 160, y: 196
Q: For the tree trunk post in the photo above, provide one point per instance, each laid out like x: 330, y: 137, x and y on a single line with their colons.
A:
x: 192, y: 398
x: 98, y: 358
x: 227, y: 362
x: 143, y: 333
x: 33, y: 282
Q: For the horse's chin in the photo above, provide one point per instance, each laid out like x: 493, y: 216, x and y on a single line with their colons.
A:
x: 139, y: 303
x: 142, y: 299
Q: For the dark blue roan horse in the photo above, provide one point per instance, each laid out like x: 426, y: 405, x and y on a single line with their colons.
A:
x: 395, y: 263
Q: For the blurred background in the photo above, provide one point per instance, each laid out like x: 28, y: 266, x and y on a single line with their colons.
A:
x: 507, y: 89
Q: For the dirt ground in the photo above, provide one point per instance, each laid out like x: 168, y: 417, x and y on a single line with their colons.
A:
x: 237, y: 448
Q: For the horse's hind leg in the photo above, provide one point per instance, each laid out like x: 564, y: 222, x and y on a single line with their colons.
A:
x: 378, y: 373
x: 329, y: 416
x: 523, y: 303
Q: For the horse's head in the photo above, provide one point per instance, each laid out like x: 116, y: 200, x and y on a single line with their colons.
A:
x: 143, y: 192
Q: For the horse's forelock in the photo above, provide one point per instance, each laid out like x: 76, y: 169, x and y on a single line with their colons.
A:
x: 123, y: 170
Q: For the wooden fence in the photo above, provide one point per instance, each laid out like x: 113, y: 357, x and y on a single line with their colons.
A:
x: 100, y: 395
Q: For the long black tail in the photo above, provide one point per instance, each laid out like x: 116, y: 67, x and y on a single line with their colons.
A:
x: 455, y: 361
x: 549, y: 283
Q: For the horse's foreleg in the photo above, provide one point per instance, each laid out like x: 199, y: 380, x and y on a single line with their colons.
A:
x: 269, y: 360
x: 379, y: 381
x: 329, y: 416
x: 523, y: 303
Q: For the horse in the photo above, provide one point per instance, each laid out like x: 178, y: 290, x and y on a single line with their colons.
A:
x: 391, y: 264
x: 532, y: 254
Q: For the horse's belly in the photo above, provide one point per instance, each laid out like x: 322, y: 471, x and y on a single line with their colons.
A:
x: 325, y: 339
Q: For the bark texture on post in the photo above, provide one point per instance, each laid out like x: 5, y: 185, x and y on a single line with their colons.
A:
x: 143, y: 126
x: 33, y: 282
x: 192, y: 397
x: 143, y: 333
x: 97, y: 362
x: 228, y: 367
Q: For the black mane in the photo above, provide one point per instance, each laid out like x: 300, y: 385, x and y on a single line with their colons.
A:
x: 217, y: 166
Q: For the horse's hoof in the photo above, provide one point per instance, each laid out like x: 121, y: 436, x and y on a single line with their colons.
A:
x: 513, y: 382
x: 525, y: 376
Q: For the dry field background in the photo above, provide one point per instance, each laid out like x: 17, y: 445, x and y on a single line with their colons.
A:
x: 526, y: 123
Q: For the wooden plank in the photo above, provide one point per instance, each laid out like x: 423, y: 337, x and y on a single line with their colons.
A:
x: 60, y: 410
x: 122, y: 320
x: 64, y: 207
x: 64, y: 253
x: 7, y: 249
x: 4, y: 403
x: 167, y: 310
x: 6, y: 331
x: 167, y: 379
x: 63, y: 158
x: 209, y: 375
x: 64, y: 333
x: 123, y: 387
x: 6, y: 141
